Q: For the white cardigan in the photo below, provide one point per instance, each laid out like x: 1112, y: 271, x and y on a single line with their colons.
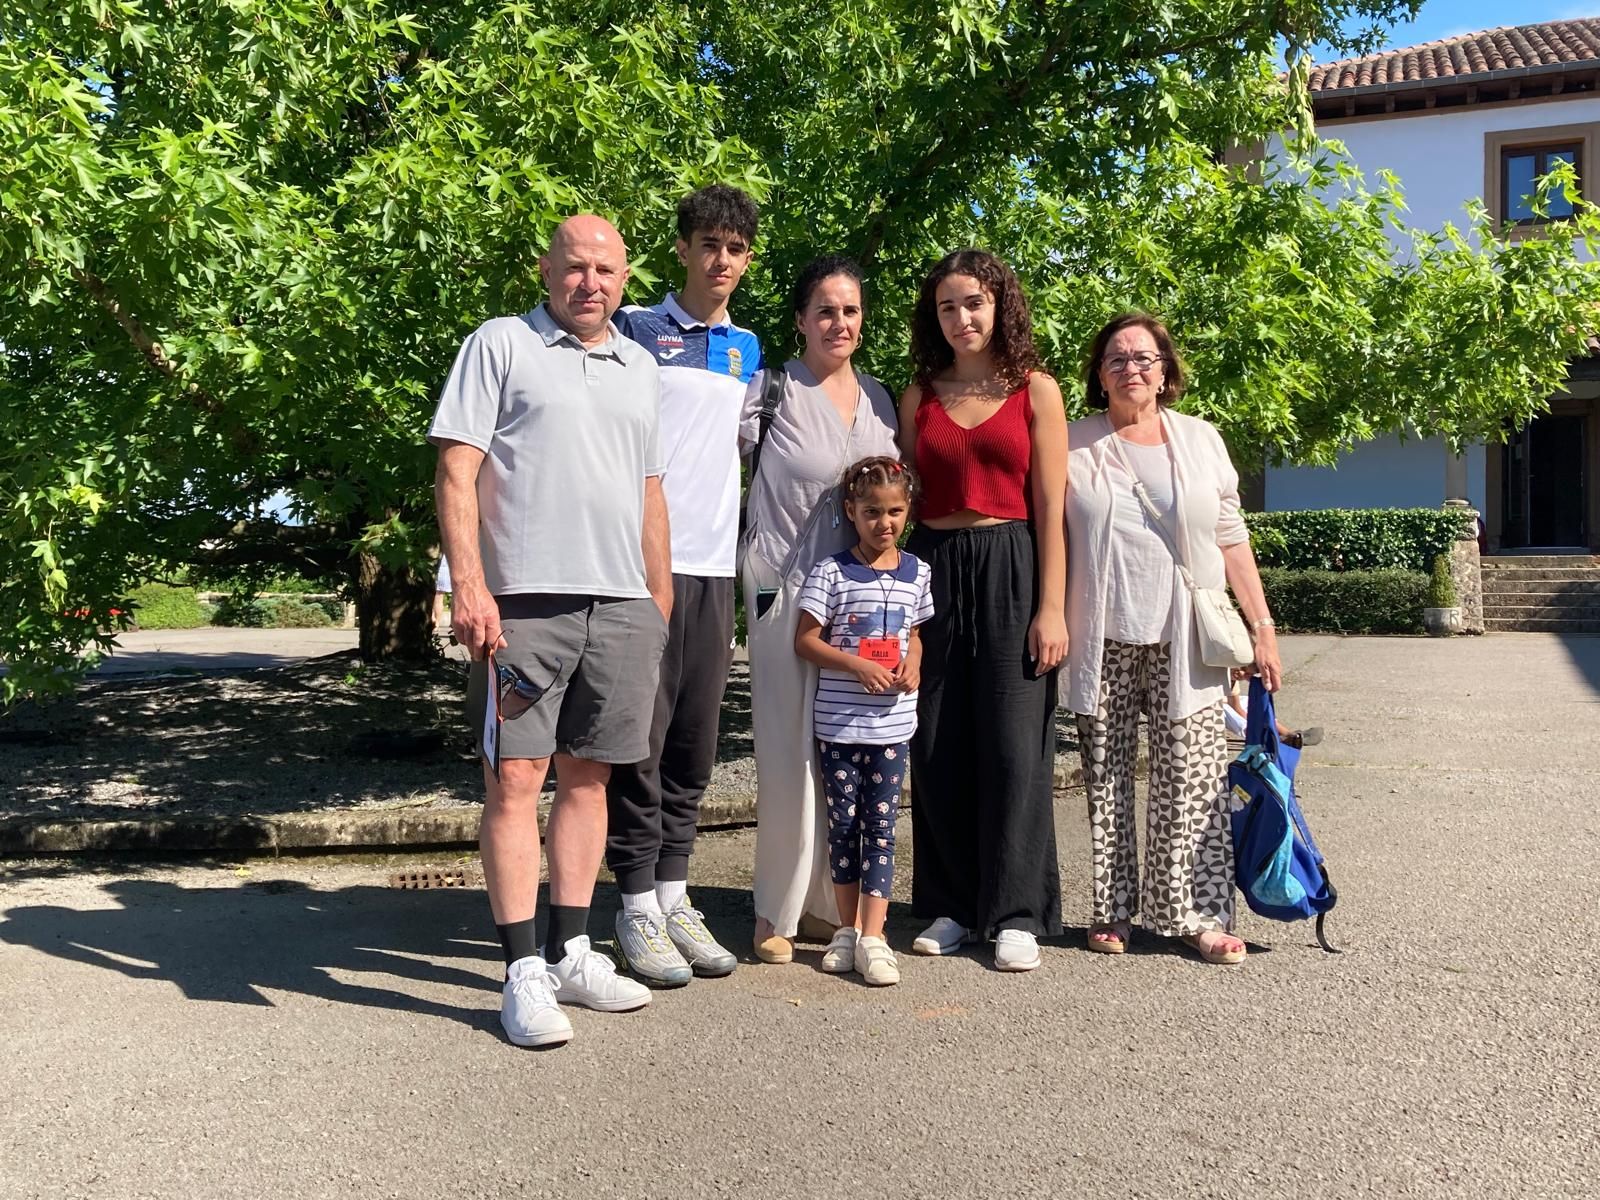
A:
x: 1207, y: 510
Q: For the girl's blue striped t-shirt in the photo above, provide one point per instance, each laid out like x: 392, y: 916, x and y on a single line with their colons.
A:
x: 851, y: 601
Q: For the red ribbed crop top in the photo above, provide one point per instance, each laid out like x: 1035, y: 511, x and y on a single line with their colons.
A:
x: 984, y: 468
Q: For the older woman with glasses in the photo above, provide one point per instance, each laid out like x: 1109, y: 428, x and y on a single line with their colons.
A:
x: 1133, y: 646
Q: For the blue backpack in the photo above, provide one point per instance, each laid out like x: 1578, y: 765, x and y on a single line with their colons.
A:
x: 1279, y: 868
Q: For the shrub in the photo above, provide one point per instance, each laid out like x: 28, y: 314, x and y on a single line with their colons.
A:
x: 241, y: 612
x: 298, y: 614
x: 1356, y: 539
x: 277, y: 612
x: 244, y: 585
x: 1441, y: 588
x: 158, y: 606
x: 1388, y: 601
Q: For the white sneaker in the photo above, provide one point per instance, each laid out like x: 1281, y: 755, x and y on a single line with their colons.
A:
x: 875, y: 962
x: 1015, y: 950
x: 840, y: 956
x: 528, y: 1011
x: 589, y: 978
x: 944, y: 936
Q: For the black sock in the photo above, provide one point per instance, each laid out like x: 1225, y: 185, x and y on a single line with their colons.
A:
x: 567, y: 921
x: 518, y: 940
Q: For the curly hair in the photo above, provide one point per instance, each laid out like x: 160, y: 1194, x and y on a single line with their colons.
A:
x: 861, y: 477
x: 819, y: 269
x: 1177, y: 379
x: 1011, y: 342
x: 718, y: 209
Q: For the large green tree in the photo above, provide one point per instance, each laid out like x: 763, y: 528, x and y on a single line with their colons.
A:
x: 240, y: 240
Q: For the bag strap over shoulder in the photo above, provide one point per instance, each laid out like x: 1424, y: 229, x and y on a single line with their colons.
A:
x: 1150, y: 509
x: 773, y: 382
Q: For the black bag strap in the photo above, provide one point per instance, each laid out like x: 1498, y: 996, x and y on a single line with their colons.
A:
x: 1333, y: 898
x: 773, y: 382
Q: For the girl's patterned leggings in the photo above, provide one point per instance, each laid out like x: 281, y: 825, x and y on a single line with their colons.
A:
x: 863, y: 784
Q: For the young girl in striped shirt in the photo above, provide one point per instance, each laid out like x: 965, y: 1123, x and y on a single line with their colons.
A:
x: 859, y: 612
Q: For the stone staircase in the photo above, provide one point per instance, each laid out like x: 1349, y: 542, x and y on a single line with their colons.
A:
x: 1542, y: 593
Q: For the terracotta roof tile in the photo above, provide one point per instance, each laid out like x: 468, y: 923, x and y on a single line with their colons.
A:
x: 1512, y: 48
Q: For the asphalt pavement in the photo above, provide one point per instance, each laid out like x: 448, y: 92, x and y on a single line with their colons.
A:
x: 296, y: 1028
x: 219, y: 648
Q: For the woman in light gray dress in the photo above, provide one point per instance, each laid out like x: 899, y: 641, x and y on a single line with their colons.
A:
x: 830, y: 415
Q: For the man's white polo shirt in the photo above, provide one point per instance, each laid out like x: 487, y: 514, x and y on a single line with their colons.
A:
x: 569, y: 433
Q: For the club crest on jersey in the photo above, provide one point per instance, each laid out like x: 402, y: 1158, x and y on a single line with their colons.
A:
x: 735, y: 361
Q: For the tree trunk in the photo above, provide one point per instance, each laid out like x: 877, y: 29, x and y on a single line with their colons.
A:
x: 394, y: 611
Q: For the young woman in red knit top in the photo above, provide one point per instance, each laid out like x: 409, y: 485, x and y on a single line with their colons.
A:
x: 987, y: 431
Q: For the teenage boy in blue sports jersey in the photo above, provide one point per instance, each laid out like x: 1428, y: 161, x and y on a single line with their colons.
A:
x: 705, y: 361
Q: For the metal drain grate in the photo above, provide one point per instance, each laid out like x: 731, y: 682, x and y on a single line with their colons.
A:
x: 427, y: 880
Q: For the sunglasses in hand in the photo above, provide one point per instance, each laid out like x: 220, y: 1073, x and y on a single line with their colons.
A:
x: 517, y: 692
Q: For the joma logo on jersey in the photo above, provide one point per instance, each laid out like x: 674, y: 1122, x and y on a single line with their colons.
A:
x: 668, y: 346
x: 735, y: 361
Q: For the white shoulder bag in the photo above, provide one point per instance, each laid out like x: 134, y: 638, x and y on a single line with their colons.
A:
x: 1224, y: 641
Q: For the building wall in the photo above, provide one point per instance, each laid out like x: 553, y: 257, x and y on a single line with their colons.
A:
x: 1438, y: 155
x: 1383, y: 473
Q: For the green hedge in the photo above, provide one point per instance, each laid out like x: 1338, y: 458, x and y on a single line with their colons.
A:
x: 157, y: 606
x: 1389, y: 601
x: 1355, y: 539
x: 278, y: 613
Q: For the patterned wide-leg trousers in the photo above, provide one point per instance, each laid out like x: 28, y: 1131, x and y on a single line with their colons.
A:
x: 1188, y: 862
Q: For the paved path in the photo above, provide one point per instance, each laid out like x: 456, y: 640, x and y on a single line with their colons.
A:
x: 218, y: 648
x: 296, y: 1029
x: 228, y: 648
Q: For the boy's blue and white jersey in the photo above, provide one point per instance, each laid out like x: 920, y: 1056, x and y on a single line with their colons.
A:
x: 851, y: 601
x: 704, y: 370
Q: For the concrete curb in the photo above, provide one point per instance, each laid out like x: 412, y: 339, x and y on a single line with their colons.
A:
x: 339, y: 829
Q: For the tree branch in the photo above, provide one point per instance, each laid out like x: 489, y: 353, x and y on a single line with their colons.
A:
x: 945, y: 148
x: 315, y: 549
x: 143, y: 340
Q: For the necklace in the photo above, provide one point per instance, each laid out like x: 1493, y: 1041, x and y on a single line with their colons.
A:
x: 884, y: 577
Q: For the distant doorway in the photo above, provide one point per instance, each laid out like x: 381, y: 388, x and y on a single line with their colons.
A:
x: 1545, y: 484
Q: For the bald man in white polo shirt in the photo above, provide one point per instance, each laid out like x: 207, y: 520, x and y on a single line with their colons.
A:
x: 555, y: 526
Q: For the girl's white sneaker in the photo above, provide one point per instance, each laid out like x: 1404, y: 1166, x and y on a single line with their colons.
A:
x: 840, y: 956
x: 875, y: 962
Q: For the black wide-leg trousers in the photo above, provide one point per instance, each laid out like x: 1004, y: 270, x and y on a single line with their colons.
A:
x: 983, y: 757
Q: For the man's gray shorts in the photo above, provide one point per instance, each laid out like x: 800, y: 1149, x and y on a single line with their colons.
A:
x: 598, y: 659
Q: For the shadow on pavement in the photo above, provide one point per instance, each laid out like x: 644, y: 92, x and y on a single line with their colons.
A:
x: 322, y: 733
x: 152, y: 665
x: 372, y: 946
x: 1585, y: 655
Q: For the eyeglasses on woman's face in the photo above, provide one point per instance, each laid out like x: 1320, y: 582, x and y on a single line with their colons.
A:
x: 1117, y: 364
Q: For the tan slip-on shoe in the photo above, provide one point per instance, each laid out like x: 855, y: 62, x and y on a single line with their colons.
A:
x: 771, y: 947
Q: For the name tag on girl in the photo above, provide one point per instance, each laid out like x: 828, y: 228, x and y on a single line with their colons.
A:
x: 885, y: 651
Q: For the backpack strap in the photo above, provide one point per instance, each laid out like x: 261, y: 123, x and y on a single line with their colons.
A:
x: 773, y: 382
x: 1333, y: 898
